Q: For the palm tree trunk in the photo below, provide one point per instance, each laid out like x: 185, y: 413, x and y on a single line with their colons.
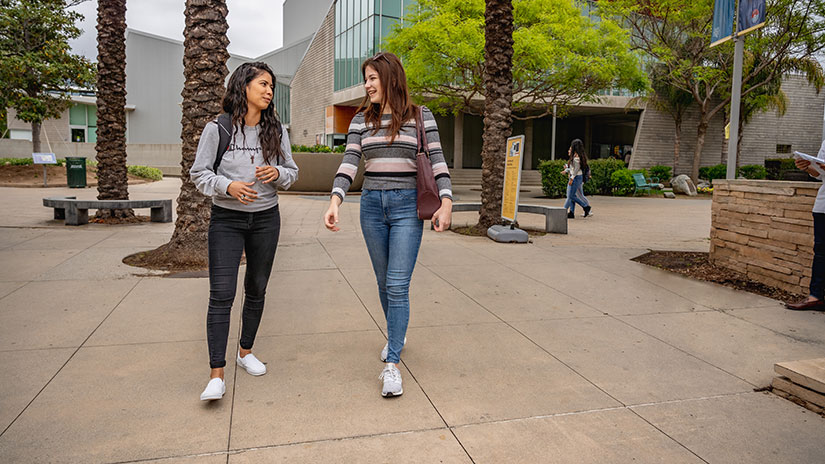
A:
x: 498, y: 98
x: 204, y: 70
x: 112, y: 177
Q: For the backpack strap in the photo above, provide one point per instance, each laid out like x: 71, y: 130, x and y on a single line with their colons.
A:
x: 224, y: 123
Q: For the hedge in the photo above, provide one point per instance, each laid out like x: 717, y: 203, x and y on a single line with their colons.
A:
x: 553, y: 180
x: 720, y: 171
x: 663, y: 173
x: 607, y: 177
x: 145, y: 172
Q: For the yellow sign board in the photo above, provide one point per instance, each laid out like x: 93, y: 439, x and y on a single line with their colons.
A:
x: 512, y: 178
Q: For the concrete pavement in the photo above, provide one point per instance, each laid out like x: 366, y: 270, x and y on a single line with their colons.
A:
x: 560, y: 350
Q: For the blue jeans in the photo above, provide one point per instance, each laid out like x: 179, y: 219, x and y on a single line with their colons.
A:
x: 392, y: 231
x: 575, y: 195
x: 231, y: 233
x: 818, y: 267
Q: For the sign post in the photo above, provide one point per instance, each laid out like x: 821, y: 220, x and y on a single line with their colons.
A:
x: 749, y: 16
x: 44, y: 159
x: 510, y: 194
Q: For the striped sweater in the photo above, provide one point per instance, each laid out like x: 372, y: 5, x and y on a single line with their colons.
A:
x: 390, y: 166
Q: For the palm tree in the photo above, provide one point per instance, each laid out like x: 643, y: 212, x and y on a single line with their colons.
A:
x: 498, y: 99
x: 112, y: 180
x: 204, y: 70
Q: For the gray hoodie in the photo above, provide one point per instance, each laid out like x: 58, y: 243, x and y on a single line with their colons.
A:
x: 238, y: 164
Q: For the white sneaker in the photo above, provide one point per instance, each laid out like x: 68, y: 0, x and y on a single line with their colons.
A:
x: 251, y: 364
x: 392, y: 381
x: 214, y: 389
x: 385, y: 351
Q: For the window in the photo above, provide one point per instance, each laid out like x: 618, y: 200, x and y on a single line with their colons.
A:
x: 783, y: 148
x: 83, y: 123
x: 391, y: 8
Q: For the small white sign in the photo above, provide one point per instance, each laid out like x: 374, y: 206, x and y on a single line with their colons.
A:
x: 44, y: 158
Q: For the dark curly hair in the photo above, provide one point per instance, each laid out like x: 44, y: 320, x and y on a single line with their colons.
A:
x: 234, y: 103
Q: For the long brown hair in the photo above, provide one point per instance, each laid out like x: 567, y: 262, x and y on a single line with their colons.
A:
x: 234, y: 103
x: 396, y: 94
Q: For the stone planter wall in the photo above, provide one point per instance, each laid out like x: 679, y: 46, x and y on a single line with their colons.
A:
x: 764, y: 229
x: 316, y: 172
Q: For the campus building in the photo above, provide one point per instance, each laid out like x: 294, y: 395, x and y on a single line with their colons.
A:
x: 319, y: 88
x: 327, y: 88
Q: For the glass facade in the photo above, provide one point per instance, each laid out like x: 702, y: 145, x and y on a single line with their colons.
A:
x: 360, y: 29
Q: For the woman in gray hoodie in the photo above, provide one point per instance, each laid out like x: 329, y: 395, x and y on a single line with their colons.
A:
x: 243, y: 184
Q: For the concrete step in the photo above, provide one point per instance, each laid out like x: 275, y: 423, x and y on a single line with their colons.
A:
x: 809, y: 373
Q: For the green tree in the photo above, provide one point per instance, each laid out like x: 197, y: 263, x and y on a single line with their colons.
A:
x: 561, y: 56
x: 111, y: 107
x: 676, y: 33
x: 37, y: 68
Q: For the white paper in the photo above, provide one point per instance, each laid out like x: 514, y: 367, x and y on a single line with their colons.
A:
x: 815, y: 162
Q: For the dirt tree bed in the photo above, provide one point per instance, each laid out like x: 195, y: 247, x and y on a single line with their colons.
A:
x: 32, y: 176
x: 697, y: 265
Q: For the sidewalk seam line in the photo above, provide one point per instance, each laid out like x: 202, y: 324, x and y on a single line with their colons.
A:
x: 70, y: 358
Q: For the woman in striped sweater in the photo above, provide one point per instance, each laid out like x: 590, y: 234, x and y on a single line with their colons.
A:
x: 384, y: 133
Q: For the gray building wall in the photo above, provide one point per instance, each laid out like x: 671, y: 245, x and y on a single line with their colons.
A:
x: 285, y: 61
x: 56, y: 131
x: 801, y: 127
x: 312, y: 86
x: 154, y: 81
x: 302, y: 18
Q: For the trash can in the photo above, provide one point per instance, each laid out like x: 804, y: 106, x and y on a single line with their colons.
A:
x: 76, y: 172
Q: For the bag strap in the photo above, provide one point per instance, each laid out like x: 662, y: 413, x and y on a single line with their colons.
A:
x: 224, y: 123
x: 421, y: 133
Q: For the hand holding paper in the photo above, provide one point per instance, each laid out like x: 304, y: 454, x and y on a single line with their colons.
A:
x: 817, y: 164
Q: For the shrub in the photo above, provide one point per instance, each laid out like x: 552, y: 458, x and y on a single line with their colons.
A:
x: 145, y: 172
x: 661, y: 172
x: 718, y: 171
x: 553, y: 180
x: 753, y: 171
x: 775, y: 166
x: 340, y: 149
x: 622, y: 181
x: 601, y: 172
x: 312, y: 149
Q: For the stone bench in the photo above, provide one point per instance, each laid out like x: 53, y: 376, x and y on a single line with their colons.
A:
x: 555, y: 217
x: 76, y: 212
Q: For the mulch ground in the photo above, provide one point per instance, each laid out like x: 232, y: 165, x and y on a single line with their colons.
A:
x: 698, y: 266
x: 32, y: 176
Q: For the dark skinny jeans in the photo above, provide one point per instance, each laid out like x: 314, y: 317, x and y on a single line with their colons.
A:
x: 818, y: 268
x: 231, y: 233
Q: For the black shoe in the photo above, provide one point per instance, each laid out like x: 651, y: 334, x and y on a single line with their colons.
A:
x: 570, y: 215
x: 587, y: 212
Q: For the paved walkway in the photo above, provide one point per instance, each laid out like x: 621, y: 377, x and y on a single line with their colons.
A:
x: 561, y: 350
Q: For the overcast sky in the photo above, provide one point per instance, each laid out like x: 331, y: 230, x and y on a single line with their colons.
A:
x: 255, y: 26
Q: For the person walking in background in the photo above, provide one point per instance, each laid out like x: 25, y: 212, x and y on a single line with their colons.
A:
x: 243, y: 185
x: 816, y: 296
x: 575, y: 169
x: 384, y: 133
